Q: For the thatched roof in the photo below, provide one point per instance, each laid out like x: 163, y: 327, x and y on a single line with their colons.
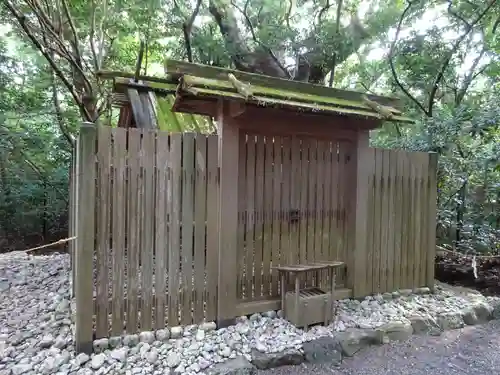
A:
x: 195, y: 89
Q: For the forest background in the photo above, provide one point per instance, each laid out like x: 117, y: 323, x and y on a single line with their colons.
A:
x: 440, y: 57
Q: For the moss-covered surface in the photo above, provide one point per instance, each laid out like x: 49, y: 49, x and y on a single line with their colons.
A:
x: 211, y: 82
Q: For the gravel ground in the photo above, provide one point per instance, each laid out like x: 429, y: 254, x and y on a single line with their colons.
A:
x: 471, y: 350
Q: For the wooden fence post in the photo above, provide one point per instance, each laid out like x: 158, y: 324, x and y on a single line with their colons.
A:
x: 357, y: 257
x: 431, y: 255
x: 85, y: 172
x: 228, y: 218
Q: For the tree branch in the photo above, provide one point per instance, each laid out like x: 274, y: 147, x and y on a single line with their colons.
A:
x: 469, y: 78
x: 21, y: 19
x: 256, y: 40
x: 58, y: 112
x: 337, y: 34
x: 448, y: 58
x: 186, y: 29
x: 391, y: 60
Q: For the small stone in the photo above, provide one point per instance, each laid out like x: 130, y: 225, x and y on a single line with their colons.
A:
x: 208, y: 326
x: 152, y: 356
x: 237, y: 366
x: 101, y: 345
x: 423, y: 290
x: 20, y: 369
x: 97, y: 361
x: 226, y: 352
x: 47, y: 341
x: 270, y: 314
x: 120, y: 354
x: 469, y: 317
x: 162, y: 334
x: 280, y: 314
x: 173, y: 359
x: 323, y: 350
x: 147, y: 337
x: 176, y: 332
x: 181, y: 369
x: 406, y: 292
x: 450, y: 320
x: 424, y: 324
x: 200, y: 335
x: 264, y: 361
x: 60, y: 343
x: 131, y: 340
x: 81, y: 359
x: 355, y: 339
x: 115, y: 342
x: 396, y: 331
x: 203, y: 363
x: 483, y: 311
x: 387, y: 296
x: 254, y: 317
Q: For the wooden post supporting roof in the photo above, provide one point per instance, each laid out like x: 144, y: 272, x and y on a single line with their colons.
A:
x: 357, y: 260
x: 228, y: 216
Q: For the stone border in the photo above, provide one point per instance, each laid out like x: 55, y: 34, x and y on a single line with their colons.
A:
x: 324, y: 349
x: 333, y: 349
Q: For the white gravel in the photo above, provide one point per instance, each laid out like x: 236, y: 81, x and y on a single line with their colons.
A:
x: 36, y: 334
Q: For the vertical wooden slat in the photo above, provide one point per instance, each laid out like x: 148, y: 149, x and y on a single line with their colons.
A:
x: 377, y: 247
x: 326, y: 202
x: 432, y: 208
x: 333, y: 251
x: 358, y: 261
x: 319, y: 201
x: 119, y: 230
x: 397, y: 204
x: 212, y: 226
x: 373, y: 221
x: 187, y: 226
x: 286, y: 204
x: 228, y: 215
x: 148, y: 160
x: 241, y: 215
x: 295, y: 187
x: 385, y: 224
x: 303, y: 187
x: 424, y: 173
x: 267, y: 217
x: 405, y: 203
x: 104, y: 146
x: 133, y: 231
x: 200, y: 225
x: 161, y: 241
x: 342, y: 200
x: 276, y: 213
x: 174, y: 228
x: 259, y: 208
x: 250, y: 219
x: 411, y: 220
x: 86, y: 174
x: 312, y: 192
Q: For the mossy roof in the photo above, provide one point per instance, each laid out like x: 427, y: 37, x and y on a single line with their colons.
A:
x: 195, y: 83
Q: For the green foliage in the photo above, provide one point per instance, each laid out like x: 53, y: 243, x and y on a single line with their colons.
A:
x: 445, y: 69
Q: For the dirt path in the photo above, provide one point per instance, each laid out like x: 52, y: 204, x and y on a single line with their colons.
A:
x: 472, y: 350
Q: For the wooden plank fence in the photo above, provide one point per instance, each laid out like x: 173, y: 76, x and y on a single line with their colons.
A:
x: 145, y: 207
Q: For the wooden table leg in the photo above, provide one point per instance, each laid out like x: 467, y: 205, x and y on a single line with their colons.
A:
x: 283, y: 292
x: 297, y: 291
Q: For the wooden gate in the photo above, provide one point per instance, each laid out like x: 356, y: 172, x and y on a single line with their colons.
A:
x: 293, y: 207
